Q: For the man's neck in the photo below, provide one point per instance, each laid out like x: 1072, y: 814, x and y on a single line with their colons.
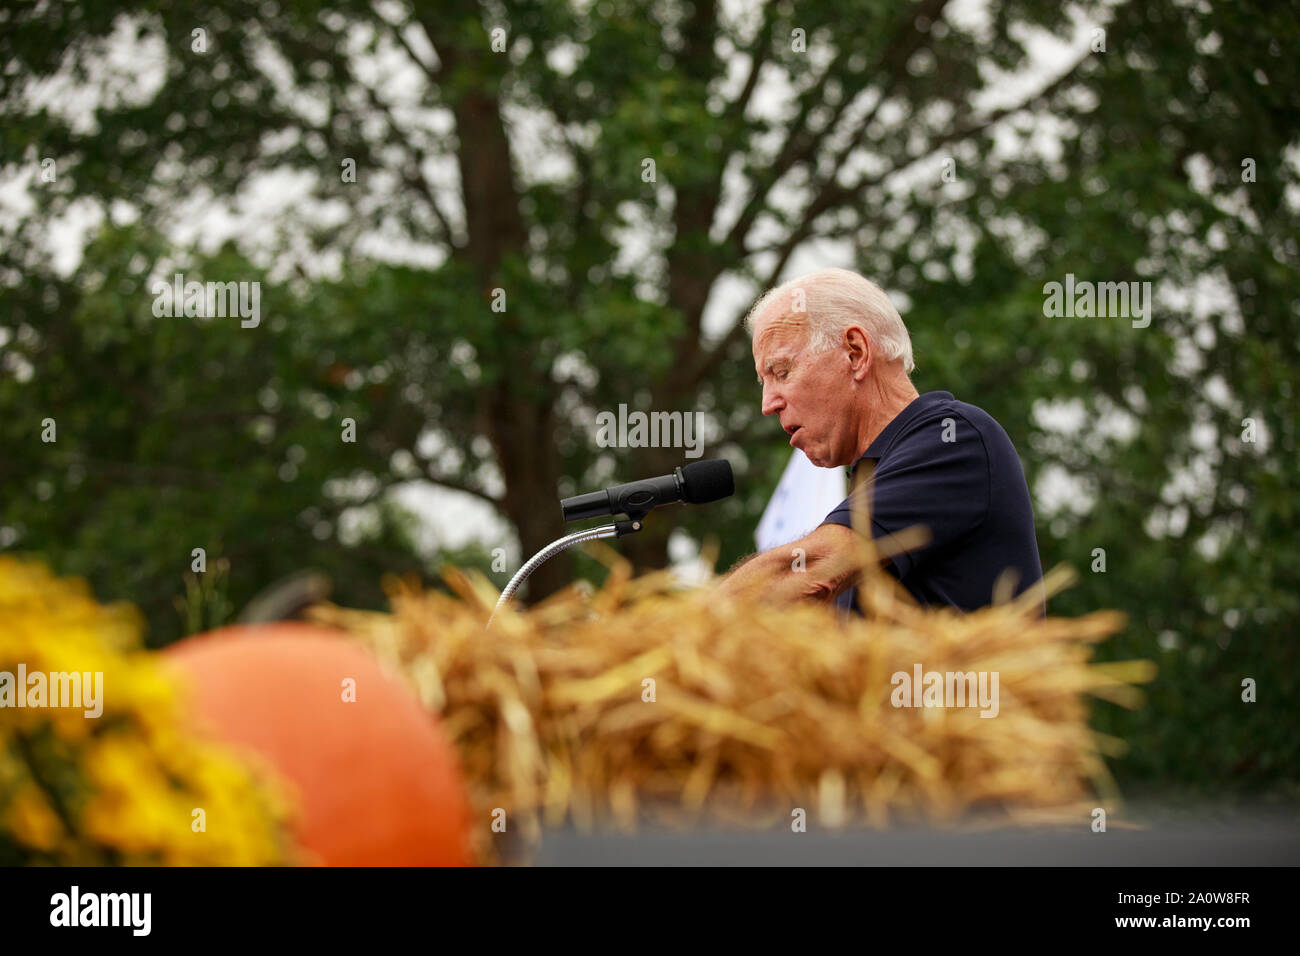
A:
x: 887, y: 400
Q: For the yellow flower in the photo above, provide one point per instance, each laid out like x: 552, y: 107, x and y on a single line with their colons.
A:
x: 31, y: 820
x: 130, y: 779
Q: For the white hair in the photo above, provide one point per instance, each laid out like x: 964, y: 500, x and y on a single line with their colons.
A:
x: 833, y: 300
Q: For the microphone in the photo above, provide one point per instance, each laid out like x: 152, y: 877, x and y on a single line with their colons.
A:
x: 696, y: 484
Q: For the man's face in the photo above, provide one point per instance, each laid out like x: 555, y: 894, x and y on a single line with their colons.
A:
x: 810, y: 394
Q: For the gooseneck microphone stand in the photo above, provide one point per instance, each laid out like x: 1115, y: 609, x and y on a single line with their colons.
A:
x: 616, y: 530
x: 697, y: 483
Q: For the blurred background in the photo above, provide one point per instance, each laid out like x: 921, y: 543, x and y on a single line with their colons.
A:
x: 476, y: 226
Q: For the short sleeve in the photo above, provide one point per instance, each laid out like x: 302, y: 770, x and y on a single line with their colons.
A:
x: 935, y: 474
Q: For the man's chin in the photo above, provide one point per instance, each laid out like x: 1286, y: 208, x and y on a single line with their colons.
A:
x: 819, y: 458
x: 814, y: 455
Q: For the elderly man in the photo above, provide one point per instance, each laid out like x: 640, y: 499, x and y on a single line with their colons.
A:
x: 833, y: 358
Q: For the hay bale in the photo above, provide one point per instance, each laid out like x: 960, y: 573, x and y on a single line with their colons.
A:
x: 756, y: 710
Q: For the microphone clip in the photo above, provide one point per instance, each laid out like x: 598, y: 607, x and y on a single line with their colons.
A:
x: 623, y: 528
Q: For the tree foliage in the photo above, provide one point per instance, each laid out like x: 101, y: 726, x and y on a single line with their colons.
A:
x: 894, y: 138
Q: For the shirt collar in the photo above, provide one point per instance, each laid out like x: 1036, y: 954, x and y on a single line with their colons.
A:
x: 891, y: 431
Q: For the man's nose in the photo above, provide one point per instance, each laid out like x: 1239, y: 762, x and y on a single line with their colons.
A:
x: 772, y: 401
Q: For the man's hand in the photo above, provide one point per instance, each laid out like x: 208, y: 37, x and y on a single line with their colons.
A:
x: 817, y: 567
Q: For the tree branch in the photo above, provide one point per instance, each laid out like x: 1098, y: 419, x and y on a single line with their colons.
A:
x: 414, y: 180
x: 799, y: 147
x: 758, y: 56
x: 434, y: 74
x: 830, y: 195
x: 454, y: 485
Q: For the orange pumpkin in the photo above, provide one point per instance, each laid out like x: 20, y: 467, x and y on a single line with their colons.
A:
x: 377, y: 782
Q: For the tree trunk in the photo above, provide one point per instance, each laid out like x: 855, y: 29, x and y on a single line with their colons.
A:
x: 520, y: 423
x: 523, y: 435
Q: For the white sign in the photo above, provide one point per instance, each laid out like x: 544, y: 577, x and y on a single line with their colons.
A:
x: 803, y: 498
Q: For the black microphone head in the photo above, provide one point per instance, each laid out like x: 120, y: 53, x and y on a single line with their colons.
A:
x: 708, y: 480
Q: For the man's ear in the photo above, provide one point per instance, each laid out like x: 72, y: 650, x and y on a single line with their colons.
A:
x: 860, y: 352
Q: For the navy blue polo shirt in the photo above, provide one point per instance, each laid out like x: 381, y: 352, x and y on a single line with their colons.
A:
x: 948, y: 466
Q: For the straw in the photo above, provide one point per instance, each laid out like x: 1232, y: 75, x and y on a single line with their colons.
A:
x: 647, y: 703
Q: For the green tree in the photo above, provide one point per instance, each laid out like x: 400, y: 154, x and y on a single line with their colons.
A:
x: 517, y: 161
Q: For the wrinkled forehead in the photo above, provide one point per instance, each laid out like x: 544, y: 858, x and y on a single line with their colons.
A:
x: 778, y: 331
